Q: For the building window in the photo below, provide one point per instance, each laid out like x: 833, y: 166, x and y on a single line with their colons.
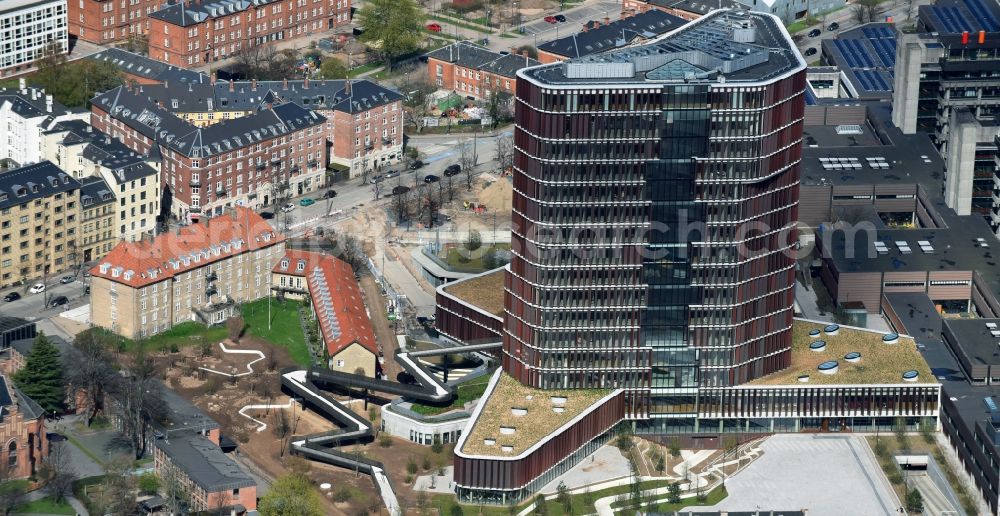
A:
x: 12, y: 455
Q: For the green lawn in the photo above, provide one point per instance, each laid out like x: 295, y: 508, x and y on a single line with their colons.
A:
x: 358, y: 70
x: 44, y: 506
x: 460, y: 258
x: 285, y: 329
x: 713, y: 497
x: 582, y: 503
x: 803, y: 24
x: 188, y: 333
x: 465, y: 393
x: 464, y: 25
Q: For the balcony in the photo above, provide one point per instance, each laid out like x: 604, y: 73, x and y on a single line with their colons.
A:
x: 211, y: 276
x: 275, y: 159
x: 261, y: 166
x: 194, y: 183
x: 312, y: 163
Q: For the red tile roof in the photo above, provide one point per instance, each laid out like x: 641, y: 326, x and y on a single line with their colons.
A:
x: 337, y: 301
x: 288, y: 264
x: 142, y: 263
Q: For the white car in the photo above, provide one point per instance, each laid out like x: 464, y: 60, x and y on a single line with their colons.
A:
x: 37, y: 288
x: 287, y: 208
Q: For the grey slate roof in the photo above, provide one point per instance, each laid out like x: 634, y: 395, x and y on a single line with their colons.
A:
x: 160, y: 125
x: 204, y: 462
x: 618, y: 33
x: 699, y: 6
x: 193, y: 13
x: 31, y: 104
x: 329, y: 95
x: 143, y: 66
x: 27, y: 406
x: 468, y: 55
x: 114, y: 155
x: 182, y: 417
x: 35, y: 181
x: 94, y: 191
x: 23, y: 346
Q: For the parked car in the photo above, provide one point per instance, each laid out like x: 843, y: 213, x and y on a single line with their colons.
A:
x: 54, y: 437
x: 391, y: 174
x: 811, y: 51
x: 376, y: 179
x: 560, y: 18
x: 434, y: 27
x: 815, y: 33
x: 833, y: 26
x: 287, y: 208
x: 266, y: 215
x: 330, y: 194
x: 11, y: 296
x: 453, y: 170
x: 551, y: 19
x: 416, y: 164
x: 58, y: 301
x: 65, y: 280
x: 37, y: 288
x: 431, y: 178
x: 307, y: 202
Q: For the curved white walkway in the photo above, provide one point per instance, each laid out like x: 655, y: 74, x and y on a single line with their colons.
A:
x: 259, y: 353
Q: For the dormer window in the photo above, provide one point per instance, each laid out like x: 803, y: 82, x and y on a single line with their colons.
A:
x: 301, y: 266
x: 105, y: 267
x: 117, y: 271
x: 186, y: 260
x: 22, y: 191
x: 284, y: 264
x: 128, y: 275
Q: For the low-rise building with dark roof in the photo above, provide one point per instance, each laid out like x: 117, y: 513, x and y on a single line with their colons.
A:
x: 278, y: 148
x: 194, y: 34
x: 599, y: 36
x: 214, y: 481
x: 40, y: 209
x: 687, y: 9
x: 24, y: 113
x: 143, y: 70
x: 866, y: 59
x: 473, y: 71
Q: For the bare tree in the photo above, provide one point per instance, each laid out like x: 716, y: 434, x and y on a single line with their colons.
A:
x: 252, y: 60
x: 448, y: 183
x: 910, y: 4
x: 428, y: 202
x: 91, y: 372
x: 234, y: 326
x: 350, y: 250
x: 467, y: 159
x: 416, y: 103
x: 57, y: 472
x: 505, y: 153
x: 12, y: 490
x: 176, y: 497
x: 119, y: 487
x: 139, y: 400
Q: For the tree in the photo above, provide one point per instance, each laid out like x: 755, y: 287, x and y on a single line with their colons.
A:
x: 866, y: 11
x: 76, y: 82
x: 234, y: 326
x: 137, y: 43
x: 118, y: 493
x: 416, y: 102
x: 12, y: 494
x: 914, y: 501
x: 467, y: 159
x: 675, y: 448
x: 148, y: 483
x: 139, y: 400
x: 562, y: 496
x: 498, y: 107
x: 504, y: 153
x: 91, y: 372
x: 332, y: 68
x: 391, y: 27
x: 436, y: 445
x: 41, y: 378
x: 473, y: 242
x: 674, y: 493
x: 540, y: 508
x: 291, y: 495
x: 57, y: 472
x: 528, y: 49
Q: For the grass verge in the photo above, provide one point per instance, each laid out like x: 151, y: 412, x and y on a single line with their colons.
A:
x: 45, y: 505
x: 713, y: 497
x: 462, y: 24
x: 464, y: 393
x: 889, y: 445
x: 582, y: 503
x: 284, y: 329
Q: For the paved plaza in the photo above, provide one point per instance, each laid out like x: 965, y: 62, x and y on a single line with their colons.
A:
x: 830, y: 475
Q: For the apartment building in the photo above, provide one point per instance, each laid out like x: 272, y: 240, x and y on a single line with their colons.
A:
x: 29, y: 29
x: 192, y: 34
x: 364, y: 120
x: 200, y: 272
x: 97, y: 219
x: 474, y: 71
x: 140, y: 69
x: 82, y: 151
x: 107, y: 21
x: 39, y: 219
x: 25, y: 113
x: 278, y: 149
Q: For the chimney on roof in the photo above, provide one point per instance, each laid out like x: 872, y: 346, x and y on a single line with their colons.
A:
x: 305, y: 84
x: 212, y: 78
x: 284, y: 84
x: 232, y: 85
x: 253, y: 84
x: 347, y: 87
x: 22, y: 84
x: 451, y: 54
x: 48, y: 103
x: 166, y: 84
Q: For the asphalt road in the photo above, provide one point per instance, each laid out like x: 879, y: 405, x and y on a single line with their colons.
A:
x: 33, y: 305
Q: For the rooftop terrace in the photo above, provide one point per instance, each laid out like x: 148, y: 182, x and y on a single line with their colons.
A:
x: 484, y: 291
x: 722, y: 46
x: 879, y: 363
x: 513, y: 417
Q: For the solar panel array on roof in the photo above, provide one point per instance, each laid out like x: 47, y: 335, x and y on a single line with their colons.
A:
x: 952, y: 19
x: 983, y: 15
x: 855, y: 53
x: 873, y: 80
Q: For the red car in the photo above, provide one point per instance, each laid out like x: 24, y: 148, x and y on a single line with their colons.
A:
x: 551, y: 19
x: 434, y: 27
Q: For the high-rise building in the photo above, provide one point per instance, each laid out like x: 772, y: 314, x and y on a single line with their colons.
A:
x: 656, y: 192
x: 28, y: 30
